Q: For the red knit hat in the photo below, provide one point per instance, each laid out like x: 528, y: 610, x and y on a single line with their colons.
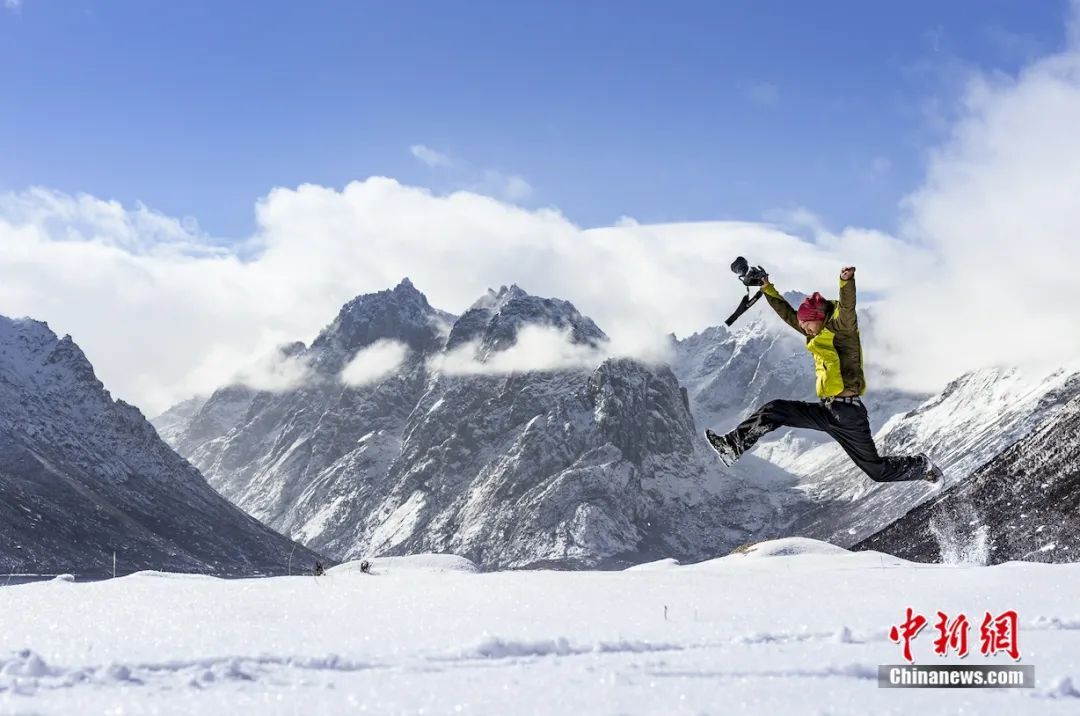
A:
x: 812, y: 308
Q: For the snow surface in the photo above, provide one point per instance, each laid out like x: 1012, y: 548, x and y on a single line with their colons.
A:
x: 792, y: 626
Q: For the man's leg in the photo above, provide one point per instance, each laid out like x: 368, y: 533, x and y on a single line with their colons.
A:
x: 769, y: 417
x: 850, y: 426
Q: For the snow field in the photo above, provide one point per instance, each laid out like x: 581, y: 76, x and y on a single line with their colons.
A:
x: 790, y: 626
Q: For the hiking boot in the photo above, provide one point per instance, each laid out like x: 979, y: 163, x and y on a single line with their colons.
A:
x: 725, y: 447
x: 932, y: 473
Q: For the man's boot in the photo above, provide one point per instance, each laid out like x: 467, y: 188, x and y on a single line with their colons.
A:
x: 725, y: 446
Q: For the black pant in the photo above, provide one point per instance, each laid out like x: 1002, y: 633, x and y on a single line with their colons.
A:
x: 845, y: 422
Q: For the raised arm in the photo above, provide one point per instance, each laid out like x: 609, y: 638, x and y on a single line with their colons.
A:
x: 845, y: 309
x: 781, y: 306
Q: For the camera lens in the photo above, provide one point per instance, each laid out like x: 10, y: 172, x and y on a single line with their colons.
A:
x: 740, y: 266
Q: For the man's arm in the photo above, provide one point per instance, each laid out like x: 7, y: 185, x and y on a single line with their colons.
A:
x: 845, y: 310
x: 781, y: 306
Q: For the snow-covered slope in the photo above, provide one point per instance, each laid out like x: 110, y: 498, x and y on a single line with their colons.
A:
x: 176, y: 419
x: 788, y: 628
x: 972, y: 420
x: 83, y: 476
x: 1022, y: 505
x: 580, y: 467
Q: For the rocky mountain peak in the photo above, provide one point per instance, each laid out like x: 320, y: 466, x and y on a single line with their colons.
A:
x: 795, y: 297
x: 493, y: 300
x: 496, y: 317
x: 401, y: 313
x: 32, y: 357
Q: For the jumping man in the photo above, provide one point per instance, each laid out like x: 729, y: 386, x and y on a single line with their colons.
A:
x: 832, y: 337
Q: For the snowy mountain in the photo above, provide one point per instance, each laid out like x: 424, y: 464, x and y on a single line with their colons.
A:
x: 175, y: 420
x: 974, y: 419
x: 1022, y: 505
x: 83, y: 476
x: 581, y: 467
x: 297, y: 459
x: 495, y: 319
x: 401, y: 314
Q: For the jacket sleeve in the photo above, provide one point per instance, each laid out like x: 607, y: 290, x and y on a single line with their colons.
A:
x: 845, y: 308
x: 782, y: 307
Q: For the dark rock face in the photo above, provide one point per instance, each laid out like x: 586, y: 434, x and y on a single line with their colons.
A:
x: 1022, y: 505
x: 402, y: 314
x: 83, y: 476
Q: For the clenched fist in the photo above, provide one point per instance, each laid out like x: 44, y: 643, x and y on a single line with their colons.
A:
x: 847, y: 273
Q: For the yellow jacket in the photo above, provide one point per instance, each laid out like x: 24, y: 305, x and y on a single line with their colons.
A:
x: 837, y: 350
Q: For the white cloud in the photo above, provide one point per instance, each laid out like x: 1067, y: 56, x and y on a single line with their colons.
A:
x: 88, y: 219
x: 517, y: 188
x: 999, y: 213
x: 764, y: 93
x: 431, y: 157
x: 510, y: 187
x: 492, y: 182
x: 536, y: 348
x: 275, y: 372
x: 13, y: 5
x: 375, y: 362
x: 168, y: 318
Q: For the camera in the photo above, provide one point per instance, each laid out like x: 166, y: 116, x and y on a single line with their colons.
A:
x: 749, y: 275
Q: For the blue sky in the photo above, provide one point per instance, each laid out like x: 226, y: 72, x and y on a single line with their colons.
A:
x: 659, y: 111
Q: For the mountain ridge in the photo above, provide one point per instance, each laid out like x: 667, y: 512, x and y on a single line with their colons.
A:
x: 85, y: 476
